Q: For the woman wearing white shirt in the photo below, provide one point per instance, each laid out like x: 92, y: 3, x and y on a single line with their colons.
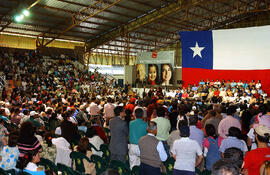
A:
x: 258, y: 84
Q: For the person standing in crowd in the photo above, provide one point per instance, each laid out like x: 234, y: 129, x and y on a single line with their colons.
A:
x: 184, y: 151
x: 131, y: 105
x: 229, y: 121
x: 137, y: 129
x: 108, y: 110
x: 163, y: 127
x: 119, y: 133
x: 152, y: 152
x: 255, y: 158
x: 225, y: 167
x: 195, y: 133
x: 94, y: 110
x: 233, y: 141
x: 213, y: 119
x: 211, y: 146
x: 140, y: 105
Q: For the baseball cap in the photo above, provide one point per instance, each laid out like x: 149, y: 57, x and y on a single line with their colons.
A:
x: 262, y: 130
x: 32, y: 113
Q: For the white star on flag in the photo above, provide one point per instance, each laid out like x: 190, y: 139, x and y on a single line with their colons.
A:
x: 197, y: 50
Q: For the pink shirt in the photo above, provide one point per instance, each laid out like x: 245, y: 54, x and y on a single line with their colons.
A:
x: 206, y: 142
x: 225, y: 124
x: 108, y: 110
x: 94, y: 109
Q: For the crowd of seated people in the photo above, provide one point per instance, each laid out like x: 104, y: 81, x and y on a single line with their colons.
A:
x: 221, y: 91
x: 51, y: 108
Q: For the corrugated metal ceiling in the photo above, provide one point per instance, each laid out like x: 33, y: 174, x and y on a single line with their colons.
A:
x: 51, y: 17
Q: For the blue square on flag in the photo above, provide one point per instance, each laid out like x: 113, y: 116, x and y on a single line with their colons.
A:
x: 197, y: 49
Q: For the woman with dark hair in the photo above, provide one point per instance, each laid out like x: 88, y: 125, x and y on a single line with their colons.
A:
x: 94, y: 139
x: 166, y: 72
x: 49, y: 149
x: 53, y: 122
x: 82, y: 147
x: 68, y: 129
x: 233, y: 140
x: 28, y: 163
x: 27, y: 141
x: 173, y: 116
x: 10, y: 153
x: 211, y: 146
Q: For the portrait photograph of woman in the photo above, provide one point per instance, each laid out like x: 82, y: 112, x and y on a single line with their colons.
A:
x: 166, y: 75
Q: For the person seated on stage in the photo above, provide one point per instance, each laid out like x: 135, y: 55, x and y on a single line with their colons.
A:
x: 201, y: 82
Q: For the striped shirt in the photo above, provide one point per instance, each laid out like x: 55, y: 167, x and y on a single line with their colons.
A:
x: 28, y: 145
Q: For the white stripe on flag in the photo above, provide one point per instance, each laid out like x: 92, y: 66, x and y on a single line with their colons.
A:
x: 242, y: 49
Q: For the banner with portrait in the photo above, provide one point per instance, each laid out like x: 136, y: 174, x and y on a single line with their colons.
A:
x: 157, y: 70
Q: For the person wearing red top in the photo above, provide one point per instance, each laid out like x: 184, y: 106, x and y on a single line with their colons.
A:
x: 212, y: 83
x: 150, y: 108
x: 216, y: 92
x: 131, y: 105
x: 256, y: 95
x: 100, y: 132
x: 185, y: 95
x: 255, y: 158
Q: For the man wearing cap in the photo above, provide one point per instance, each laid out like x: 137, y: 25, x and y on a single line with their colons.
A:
x: 151, y: 151
x: 33, y: 119
x: 184, y: 151
x: 255, y: 158
x: 260, y: 119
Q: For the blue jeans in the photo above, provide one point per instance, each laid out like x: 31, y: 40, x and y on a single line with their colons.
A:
x: 149, y: 170
x: 182, y: 172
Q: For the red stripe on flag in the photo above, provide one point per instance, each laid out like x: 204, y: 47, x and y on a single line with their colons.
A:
x: 194, y: 75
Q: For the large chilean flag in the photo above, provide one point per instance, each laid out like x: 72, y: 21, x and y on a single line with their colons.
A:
x: 234, y: 54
